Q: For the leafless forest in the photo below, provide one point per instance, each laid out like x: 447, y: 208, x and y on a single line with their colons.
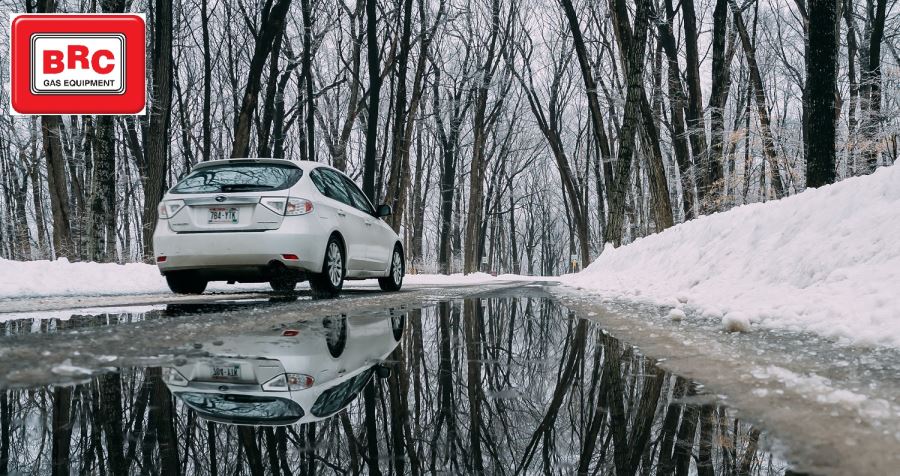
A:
x: 555, y: 395
x: 507, y: 135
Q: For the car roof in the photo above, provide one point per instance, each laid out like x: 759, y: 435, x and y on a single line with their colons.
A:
x: 260, y: 160
x: 306, y: 165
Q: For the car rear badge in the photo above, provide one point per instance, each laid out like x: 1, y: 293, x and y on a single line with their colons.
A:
x: 220, y: 198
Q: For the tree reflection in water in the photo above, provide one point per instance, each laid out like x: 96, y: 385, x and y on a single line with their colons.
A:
x: 497, y: 386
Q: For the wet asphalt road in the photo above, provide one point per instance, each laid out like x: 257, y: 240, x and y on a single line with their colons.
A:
x: 777, y: 401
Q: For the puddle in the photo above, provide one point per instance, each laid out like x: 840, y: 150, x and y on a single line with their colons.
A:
x: 493, y: 385
x: 36, y: 322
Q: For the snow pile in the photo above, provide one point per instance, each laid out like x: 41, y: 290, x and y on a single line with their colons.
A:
x: 25, y: 279
x: 62, y: 278
x: 826, y: 260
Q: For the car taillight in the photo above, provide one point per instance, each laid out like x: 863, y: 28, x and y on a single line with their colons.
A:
x: 285, y: 382
x: 298, y: 206
x: 168, y: 208
x: 276, y: 204
x: 287, y: 206
x: 174, y: 377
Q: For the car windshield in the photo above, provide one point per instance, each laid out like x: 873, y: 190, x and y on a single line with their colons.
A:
x: 246, y: 409
x: 239, y: 177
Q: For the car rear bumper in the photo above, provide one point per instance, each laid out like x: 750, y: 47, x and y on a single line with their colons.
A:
x: 240, y: 253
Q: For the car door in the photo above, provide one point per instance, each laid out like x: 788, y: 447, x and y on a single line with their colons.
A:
x: 380, y: 236
x: 350, y: 226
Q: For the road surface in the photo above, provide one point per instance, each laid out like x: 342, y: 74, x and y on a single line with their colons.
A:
x: 776, y: 401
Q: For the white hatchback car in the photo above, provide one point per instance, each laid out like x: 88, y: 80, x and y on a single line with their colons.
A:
x: 301, y: 372
x: 276, y: 221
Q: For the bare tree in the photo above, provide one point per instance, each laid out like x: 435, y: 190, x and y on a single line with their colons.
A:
x: 819, y: 93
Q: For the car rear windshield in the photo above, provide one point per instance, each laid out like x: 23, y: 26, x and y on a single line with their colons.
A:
x: 239, y: 177
x: 247, y: 409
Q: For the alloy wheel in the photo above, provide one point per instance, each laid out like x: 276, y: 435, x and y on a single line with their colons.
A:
x: 335, y: 264
x: 397, y: 267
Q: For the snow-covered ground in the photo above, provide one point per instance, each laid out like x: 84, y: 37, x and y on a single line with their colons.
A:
x: 826, y: 260
x: 26, y: 279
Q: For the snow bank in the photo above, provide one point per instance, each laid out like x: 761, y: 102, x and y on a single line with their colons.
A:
x: 62, y: 278
x: 25, y: 279
x: 826, y: 260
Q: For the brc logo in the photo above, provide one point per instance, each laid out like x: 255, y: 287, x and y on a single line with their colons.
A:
x: 78, y: 57
x: 69, y: 64
x: 78, y: 64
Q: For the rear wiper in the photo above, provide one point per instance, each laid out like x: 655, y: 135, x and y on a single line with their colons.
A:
x: 239, y: 187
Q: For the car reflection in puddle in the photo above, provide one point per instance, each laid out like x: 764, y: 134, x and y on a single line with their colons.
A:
x: 303, y: 373
x: 493, y: 386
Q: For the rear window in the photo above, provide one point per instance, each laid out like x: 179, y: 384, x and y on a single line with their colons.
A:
x: 247, y: 409
x: 239, y: 177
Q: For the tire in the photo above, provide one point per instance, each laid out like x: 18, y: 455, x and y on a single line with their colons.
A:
x: 283, y: 285
x: 329, y: 282
x: 394, y: 280
x: 185, y: 283
x: 335, y: 335
x: 398, y: 323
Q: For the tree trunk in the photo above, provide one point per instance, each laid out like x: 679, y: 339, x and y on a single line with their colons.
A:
x: 111, y: 418
x: 272, y: 24
x: 396, y: 188
x: 207, y: 81
x: 676, y: 108
x: 762, y: 109
x: 633, y: 47
x: 478, y: 165
x: 472, y: 323
x: 710, y: 172
x: 871, y: 79
x: 819, y: 93
x: 157, y: 144
x: 62, y: 430
x: 307, y: 74
x: 590, y: 86
x: 63, y: 244
x: 374, y: 59
x: 102, y: 214
x: 721, y: 83
x: 852, y: 118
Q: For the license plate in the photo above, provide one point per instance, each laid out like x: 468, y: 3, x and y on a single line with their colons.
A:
x: 228, y: 372
x: 223, y: 215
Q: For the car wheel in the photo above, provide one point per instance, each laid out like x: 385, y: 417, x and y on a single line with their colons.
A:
x: 398, y: 323
x: 185, y: 283
x: 282, y: 285
x: 335, y: 335
x: 329, y: 282
x: 394, y: 279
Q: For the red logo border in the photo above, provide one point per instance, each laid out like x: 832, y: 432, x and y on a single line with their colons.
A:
x: 132, y: 101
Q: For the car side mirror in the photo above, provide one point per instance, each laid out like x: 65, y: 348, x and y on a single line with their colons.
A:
x: 382, y: 371
x: 383, y: 211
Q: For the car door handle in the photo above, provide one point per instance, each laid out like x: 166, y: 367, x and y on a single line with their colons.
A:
x: 341, y: 213
x: 369, y: 223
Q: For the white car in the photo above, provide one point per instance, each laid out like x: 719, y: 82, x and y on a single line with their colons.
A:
x: 276, y: 221
x: 299, y: 373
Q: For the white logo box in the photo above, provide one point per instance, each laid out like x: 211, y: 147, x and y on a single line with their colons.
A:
x: 78, y: 80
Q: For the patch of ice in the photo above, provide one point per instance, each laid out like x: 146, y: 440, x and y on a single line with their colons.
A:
x: 66, y: 369
x: 820, y: 389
